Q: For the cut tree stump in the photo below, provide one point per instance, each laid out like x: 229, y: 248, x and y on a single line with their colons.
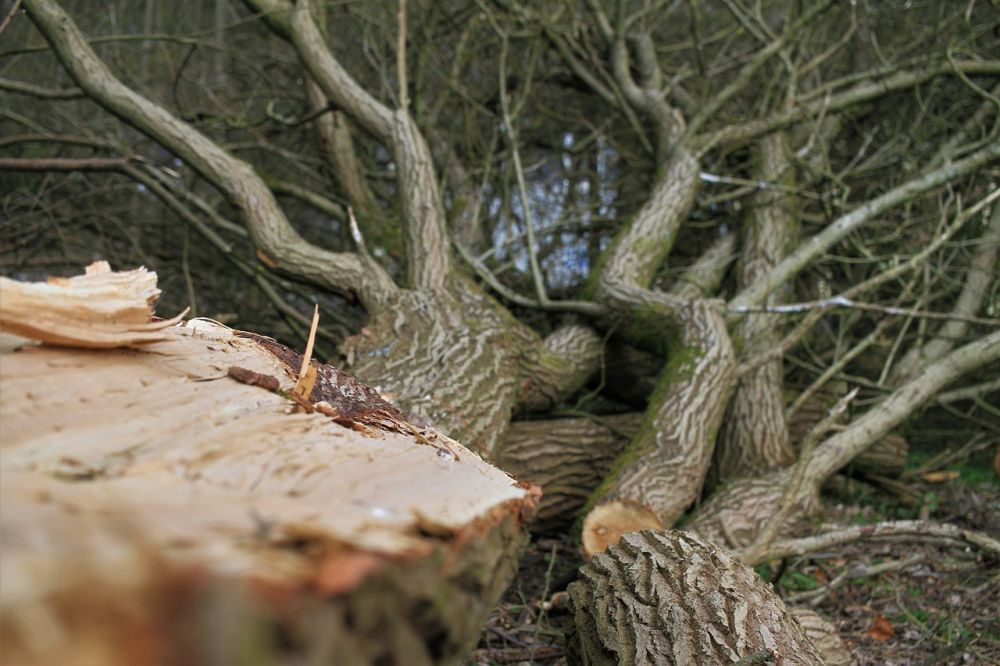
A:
x: 673, y: 598
x: 178, y: 502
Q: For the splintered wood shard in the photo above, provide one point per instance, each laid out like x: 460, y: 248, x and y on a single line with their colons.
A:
x: 141, y: 486
x: 99, y: 309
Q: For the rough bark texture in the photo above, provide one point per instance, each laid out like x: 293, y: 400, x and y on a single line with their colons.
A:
x: 826, y: 639
x: 662, y: 470
x: 734, y: 515
x: 754, y: 436
x: 566, y: 359
x: 180, y: 504
x: 674, y: 598
x: 448, y: 358
x: 664, y: 465
x: 568, y: 458
x: 640, y: 248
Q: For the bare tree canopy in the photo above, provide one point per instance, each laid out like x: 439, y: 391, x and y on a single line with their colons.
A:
x: 702, y: 255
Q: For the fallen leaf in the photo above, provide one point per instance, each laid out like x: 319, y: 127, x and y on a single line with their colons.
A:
x: 940, y: 477
x: 881, y: 629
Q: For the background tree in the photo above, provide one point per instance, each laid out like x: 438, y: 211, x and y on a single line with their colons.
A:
x: 715, y: 214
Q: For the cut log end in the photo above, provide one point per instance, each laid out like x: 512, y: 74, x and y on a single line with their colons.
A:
x: 608, y: 521
x: 180, y: 502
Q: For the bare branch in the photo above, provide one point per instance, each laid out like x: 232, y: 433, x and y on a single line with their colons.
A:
x: 840, y: 449
x: 428, y: 259
x: 787, y: 507
x: 917, y: 529
x: 314, y: 199
x: 269, y: 229
x: 748, y: 71
x: 756, y: 293
x: 25, y: 88
x: 861, y: 92
x: 980, y: 275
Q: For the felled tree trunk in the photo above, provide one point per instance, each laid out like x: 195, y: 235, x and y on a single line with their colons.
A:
x: 673, y: 598
x: 568, y: 458
x: 195, y: 500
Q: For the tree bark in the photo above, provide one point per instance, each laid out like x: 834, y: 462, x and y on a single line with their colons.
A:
x: 451, y: 358
x: 269, y: 229
x: 673, y: 598
x: 754, y: 436
x: 567, y: 358
x: 828, y: 642
x: 734, y: 514
x: 664, y: 466
x: 567, y: 458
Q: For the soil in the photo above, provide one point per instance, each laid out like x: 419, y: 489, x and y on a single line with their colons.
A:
x: 899, y: 603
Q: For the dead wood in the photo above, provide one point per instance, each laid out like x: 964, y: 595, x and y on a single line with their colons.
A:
x: 174, y: 504
x: 672, y: 598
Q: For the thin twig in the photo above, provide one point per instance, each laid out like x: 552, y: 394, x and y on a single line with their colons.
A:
x: 404, y: 96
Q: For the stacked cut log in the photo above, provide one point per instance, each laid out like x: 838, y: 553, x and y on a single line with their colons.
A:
x: 174, y: 494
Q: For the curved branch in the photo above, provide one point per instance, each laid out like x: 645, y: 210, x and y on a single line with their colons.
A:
x: 428, y: 257
x: 268, y: 227
x: 977, y: 283
x: 641, y: 247
x: 294, y: 22
x: 559, y: 367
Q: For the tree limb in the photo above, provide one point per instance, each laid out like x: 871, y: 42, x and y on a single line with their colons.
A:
x: 269, y: 229
x: 756, y: 293
x: 428, y: 255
